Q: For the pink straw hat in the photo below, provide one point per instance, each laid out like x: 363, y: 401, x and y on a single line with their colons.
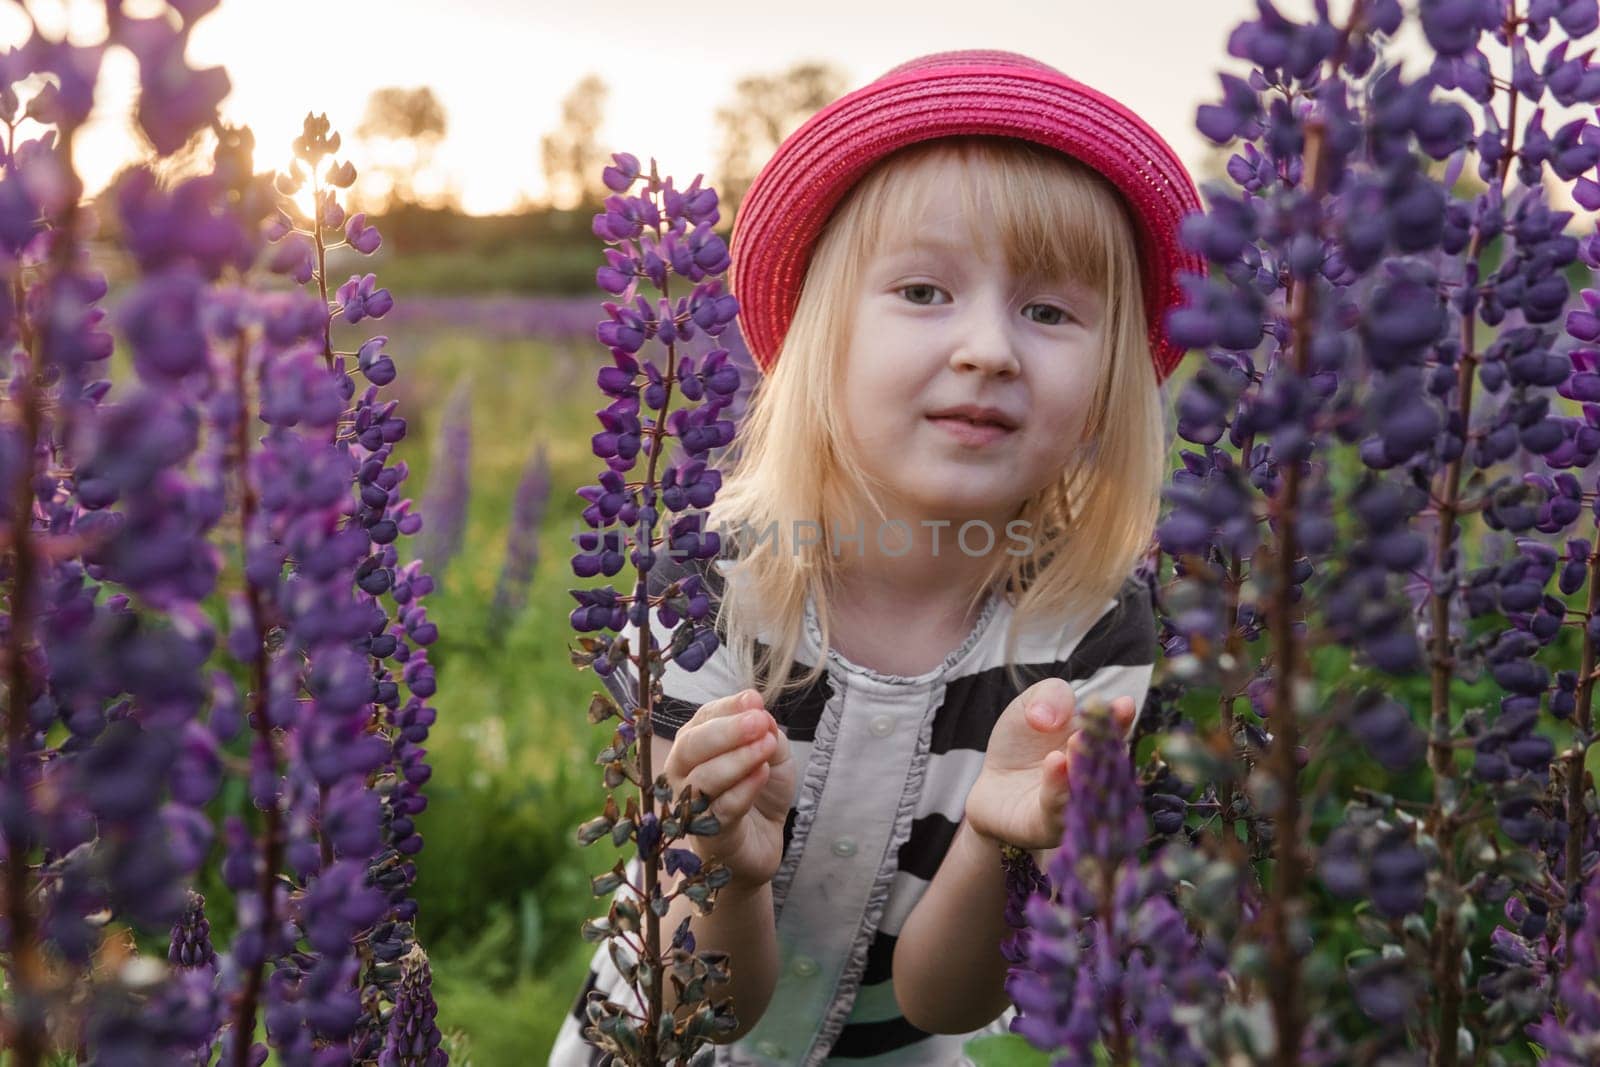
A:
x: 974, y: 91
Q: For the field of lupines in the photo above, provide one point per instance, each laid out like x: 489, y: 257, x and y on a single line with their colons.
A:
x: 1360, y: 827
x: 219, y: 674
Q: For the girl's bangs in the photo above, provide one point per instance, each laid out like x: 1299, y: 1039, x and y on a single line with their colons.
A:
x: 1051, y: 216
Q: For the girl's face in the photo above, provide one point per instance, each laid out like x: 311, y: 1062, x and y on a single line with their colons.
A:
x: 938, y: 327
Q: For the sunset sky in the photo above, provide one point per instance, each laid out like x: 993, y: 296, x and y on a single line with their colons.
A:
x: 501, y: 67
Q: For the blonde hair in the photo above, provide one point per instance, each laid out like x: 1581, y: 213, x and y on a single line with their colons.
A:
x: 791, y: 462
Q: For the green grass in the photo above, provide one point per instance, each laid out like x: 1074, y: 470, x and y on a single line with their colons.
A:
x: 477, y: 272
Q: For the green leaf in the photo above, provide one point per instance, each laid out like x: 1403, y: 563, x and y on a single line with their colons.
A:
x: 1005, y: 1050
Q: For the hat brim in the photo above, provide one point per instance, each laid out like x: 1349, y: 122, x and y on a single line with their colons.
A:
x: 792, y: 197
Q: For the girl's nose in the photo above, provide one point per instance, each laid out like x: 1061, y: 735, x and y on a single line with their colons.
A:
x: 984, y: 337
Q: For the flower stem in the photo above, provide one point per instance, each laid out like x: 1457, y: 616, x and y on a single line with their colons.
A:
x: 1288, y: 865
x: 652, y: 921
x: 271, y: 839
x: 26, y: 975
x: 1443, y: 820
x: 1237, y: 652
x: 1579, y: 782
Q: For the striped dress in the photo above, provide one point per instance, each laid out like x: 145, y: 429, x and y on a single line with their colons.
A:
x: 888, y: 761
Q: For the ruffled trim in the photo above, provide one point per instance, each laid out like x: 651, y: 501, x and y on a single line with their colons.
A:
x: 814, y: 632
x: 805, y: 809
x: 856, y: 964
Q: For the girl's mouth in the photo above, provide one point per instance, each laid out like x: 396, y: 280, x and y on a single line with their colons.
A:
x: 975, y: 434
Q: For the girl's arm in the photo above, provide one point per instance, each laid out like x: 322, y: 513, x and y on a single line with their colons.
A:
x: 948, y: 970
x: 949, y: 976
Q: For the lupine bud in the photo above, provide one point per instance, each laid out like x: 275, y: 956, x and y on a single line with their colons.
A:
x: 191, y: 936
x: 413, y: 1036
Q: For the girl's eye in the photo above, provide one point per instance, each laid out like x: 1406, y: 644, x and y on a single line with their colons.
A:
x: 919, y: 287
x: 1061, y: 315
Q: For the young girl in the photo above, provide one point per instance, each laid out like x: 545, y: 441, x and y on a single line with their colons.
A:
x: 954, y: 281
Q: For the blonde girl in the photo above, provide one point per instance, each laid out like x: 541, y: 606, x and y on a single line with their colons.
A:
x: 954, y: 281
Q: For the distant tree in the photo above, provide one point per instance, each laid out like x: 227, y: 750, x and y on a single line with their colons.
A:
x: 570, y: 155
x: 766, y: 108
x: 403, y: 128
x: 1213, y: 164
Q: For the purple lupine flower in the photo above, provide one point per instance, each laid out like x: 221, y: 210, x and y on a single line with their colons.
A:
x: 191, y: 951
x: 1387, y: 729
x: 66, y: 102
x: 1571, y: 1034
x: 522, y: 538
x: 1024, y: 880
x: 1109, y: 958
x: 652, y: 239
x: 323, y: 513
x: 1347, y: 305
x: 449, y: 490
x: 108, y: 765
x: 359, y: 300
x: 155, y: 544
x: 1516, y: 970
x: 169, y: 1022
x: 175, y: 100
x: 363, y: 238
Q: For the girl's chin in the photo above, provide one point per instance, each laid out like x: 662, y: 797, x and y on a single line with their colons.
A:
x: 957, y: 499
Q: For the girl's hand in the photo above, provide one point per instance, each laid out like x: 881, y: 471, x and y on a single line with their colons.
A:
x: 1023, y: 788
x: 734, y: 751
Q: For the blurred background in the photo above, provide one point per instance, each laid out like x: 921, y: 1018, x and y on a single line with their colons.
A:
x: 479, y: 129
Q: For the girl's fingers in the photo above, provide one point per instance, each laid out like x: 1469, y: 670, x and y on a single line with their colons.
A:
x: 1040, y: 717
x: 721, y: 726
x: 722, y: 773
x: 735, y: 802
x: 1053, y: 775
x: 1055, y: 787
x: 780, y: 748
x: 1076, y: 742
x: 1051, y: 708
